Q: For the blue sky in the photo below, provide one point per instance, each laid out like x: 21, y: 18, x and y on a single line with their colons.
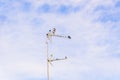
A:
x: 93, y: 52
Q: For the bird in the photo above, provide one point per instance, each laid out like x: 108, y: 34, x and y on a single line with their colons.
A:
x: 54, y: 30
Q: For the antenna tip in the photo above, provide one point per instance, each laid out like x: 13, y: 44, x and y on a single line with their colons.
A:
x: 69, y: 37
x: 65, y: 57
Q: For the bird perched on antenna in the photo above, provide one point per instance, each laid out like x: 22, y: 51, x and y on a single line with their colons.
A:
x: 54, y: 30
x: 51, y: 33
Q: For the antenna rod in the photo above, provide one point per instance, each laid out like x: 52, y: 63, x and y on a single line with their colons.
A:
x: 48, y: 75
x: 49, y: 35
x: 62, y: 36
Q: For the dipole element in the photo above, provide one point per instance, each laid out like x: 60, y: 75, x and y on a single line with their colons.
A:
x: 51, y: 34
x: 51, y: 59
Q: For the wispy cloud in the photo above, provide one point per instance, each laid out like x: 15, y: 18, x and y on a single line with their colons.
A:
x: 59, y: 9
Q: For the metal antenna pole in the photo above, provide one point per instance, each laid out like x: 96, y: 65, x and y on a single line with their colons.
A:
x: 50, y: 60
x: 48, y: 75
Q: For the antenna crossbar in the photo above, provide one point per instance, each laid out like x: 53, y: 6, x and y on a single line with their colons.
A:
x: 52, y: 60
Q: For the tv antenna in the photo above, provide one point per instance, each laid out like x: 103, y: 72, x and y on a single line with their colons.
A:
x: 50, y: 58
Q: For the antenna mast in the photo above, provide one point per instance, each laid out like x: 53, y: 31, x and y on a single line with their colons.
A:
x: 50, y: 58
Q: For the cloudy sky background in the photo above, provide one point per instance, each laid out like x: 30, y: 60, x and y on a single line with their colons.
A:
x: 93, y: 52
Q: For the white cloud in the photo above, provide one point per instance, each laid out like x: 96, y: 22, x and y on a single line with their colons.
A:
x: 23, y: 46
